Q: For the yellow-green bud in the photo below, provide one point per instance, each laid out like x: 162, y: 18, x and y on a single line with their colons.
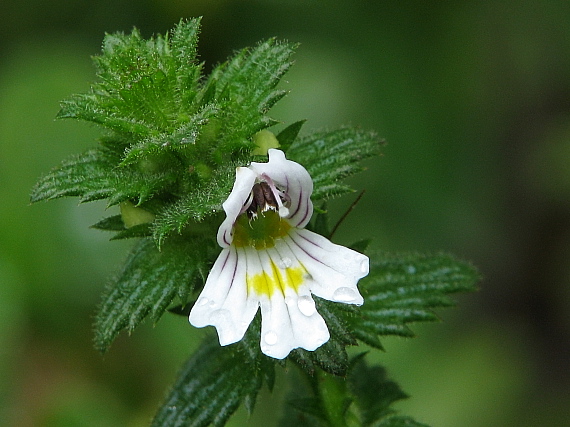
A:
x: 133, y: 215
x: 203, y: 171
x: 264, y: 140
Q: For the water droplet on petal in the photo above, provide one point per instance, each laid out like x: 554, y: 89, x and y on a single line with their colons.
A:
x: 203, y: 301
x: 212, y: 304
x: 364, y: 265
x: 221, y: 318
x: 345, y: 294
x: 270, y: 338
x: 285, y: 262
x: 306, y: 305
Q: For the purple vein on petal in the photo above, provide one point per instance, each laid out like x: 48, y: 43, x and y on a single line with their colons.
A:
x: 291, y: 235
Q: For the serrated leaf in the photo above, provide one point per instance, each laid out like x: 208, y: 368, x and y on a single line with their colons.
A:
x: 147, y: 285
x: 205, y: 199
x: 402, y: 289
x: 288, y: 135
x: 308, y: 405
x: 331, y: 156
x: 85, y: 175
x: 184, y: 137
x: 139, y: 230
x: 145, y: 86
x: 87, y: 107
x: 214, y: 382
x: 111, y: 223
x: 331, y: 357
x: 93, y: 175
x: 334, y: 315
x: 374, y: 393
x: 244, y: 87
x: 115, y: 223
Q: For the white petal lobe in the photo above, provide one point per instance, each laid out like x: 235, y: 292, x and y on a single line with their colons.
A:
x: 245, y: 178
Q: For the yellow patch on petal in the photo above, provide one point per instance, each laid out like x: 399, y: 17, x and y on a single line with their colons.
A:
x: 267, y: 283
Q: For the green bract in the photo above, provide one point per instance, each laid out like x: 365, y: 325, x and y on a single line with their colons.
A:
x: 172, y: 140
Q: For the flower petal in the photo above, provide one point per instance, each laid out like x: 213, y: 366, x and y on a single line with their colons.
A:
x: 334, y: 269
x: 294, y: 180
x: 245, y: 178
x: 224, y: 301
x: 289, y: 318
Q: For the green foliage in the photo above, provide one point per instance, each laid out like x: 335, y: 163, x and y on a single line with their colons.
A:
x: 148, y: 283
x: 172, y: 144
x: 403, y: 289
x: 331, y: 156
x: 175, y: 138
x: 400, y: 289
x: 363, y: 398
x: 214, y: 381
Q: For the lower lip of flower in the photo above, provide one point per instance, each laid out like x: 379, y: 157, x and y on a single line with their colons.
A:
x: 276, y: 280
x: 261, y: 231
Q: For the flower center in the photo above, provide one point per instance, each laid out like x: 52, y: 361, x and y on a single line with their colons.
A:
x: 260, y: 223
x: 261, y: 231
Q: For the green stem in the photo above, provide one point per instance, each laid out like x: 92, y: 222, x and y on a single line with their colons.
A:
x: 334, y: 397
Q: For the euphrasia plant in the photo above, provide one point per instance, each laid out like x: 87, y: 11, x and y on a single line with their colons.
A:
x: 221, y: 211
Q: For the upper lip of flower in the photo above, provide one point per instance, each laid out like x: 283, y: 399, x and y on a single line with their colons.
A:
x: 269, y: 260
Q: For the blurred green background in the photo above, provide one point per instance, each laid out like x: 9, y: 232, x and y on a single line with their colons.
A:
x: 474, y: 101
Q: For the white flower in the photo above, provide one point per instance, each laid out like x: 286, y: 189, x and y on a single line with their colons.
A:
x: 269, y: 260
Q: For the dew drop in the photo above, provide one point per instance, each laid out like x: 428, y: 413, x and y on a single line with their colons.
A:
x: 306, y: 305
x: 203, y: 301
x: 285, y: 262
x: 270, y: 338
x: 364, y: 266
x: 344, y: 294
x: 212, y: 304
x: 221, y: 318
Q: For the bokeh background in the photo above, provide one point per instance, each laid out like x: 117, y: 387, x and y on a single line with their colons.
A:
x: 474, y: 101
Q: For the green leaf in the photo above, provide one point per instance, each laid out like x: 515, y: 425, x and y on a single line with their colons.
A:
x: 111, y: 223
x: 139, y: 230
x: 115, y: 223
x: 373, y: 392
x: 85, y: 175
x: 205, y: 199
x: 244, y: 87
x: 148, y: 283
x: 335, y: 315
x: 214, y: 382
x: 145, y: 86
x: 402, y: 289
x: 331, y: 357
x: 308, y: 405
x: 363, y: 398
x: 93, y: 175
x: 331, y: 156
x: 288, y: 135
x: 182, y: 138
